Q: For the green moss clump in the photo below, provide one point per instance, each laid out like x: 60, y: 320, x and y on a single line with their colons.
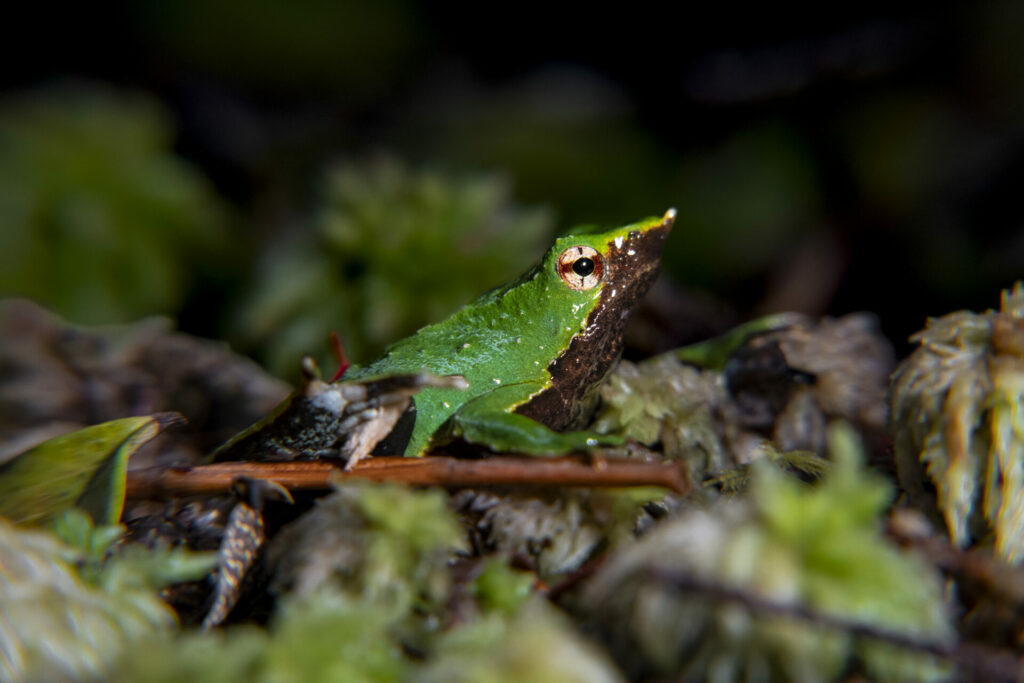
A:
x: 73, y: 605
x: 383, y: 544
x: 538, y: 644
x: 322, y: 637
x: 817, y: 548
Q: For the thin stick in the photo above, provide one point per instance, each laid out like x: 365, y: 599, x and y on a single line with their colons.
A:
x: 431, y: 470
x: 991, y: 664
x: 1006, y: 580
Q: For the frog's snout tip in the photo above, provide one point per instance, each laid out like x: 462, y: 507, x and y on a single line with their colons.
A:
x: 669, y: 218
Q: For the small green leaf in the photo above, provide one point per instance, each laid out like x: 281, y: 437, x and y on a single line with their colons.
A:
x: 713, y: 353
x: 92, y: 544
x: 86, y: 469
x: 74, y: 528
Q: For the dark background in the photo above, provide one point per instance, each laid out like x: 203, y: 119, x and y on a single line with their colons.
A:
x: 864, y: 156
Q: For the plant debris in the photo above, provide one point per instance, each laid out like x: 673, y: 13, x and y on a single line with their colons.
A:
x: 781, y: 565
x: 958, y: 422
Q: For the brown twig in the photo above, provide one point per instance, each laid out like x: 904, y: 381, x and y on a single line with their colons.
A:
x: 995, y: 575
x: 432, y: 470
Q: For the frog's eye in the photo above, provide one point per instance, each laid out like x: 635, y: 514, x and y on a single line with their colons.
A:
x: 581, y: 267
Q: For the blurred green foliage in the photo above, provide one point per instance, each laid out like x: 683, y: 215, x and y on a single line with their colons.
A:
x: 367, y: 573
x: 847, y: 568
x: 571, y: 139
x: 327, y: 636
x: 382, y: 545
x: 791, y: 544
x: 499, y: 587
x: 537, y: 644
x: 392, y: 249
x: 73, y: 605
x: 906, y: 161
x: 322, y: 637
x: 101, y: 221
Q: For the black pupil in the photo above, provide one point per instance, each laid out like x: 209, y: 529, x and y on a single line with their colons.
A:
x: 583, y: 266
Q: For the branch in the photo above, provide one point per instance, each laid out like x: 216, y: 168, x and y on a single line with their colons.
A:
x: 990, y: 663
x: 993, y: 574
x: 431, y: 470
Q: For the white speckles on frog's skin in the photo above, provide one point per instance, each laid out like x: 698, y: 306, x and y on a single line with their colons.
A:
x: 541, y: 347
x: 446, y: 404
x: 466, y: 345
x: 496, y: 380
x: 591, y: 442
x: 631, y: 252
x: 618, y: 242
x: 536, y: 362
x: 519, y: 340
x: 614, y: 292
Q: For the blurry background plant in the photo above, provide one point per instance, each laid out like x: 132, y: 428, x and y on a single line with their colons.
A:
x: 391, y: 250
x: 868, y: 158
x: 101, y: 220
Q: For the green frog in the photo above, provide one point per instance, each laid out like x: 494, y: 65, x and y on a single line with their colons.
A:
x: 532, y: 352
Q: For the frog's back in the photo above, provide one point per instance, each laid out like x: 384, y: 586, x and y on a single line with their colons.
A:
x: 483, y: 342
x: 502, y: 337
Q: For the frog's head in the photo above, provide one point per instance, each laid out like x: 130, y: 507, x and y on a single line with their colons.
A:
x: 607, y: 273
x: 623, y: 261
